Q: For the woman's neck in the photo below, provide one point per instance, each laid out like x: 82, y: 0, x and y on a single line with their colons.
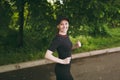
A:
x: 62, y: 33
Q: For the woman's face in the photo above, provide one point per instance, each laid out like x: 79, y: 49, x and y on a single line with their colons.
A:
x: 63, y: 26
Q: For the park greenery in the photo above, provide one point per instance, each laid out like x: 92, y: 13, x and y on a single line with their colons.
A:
x: 28, y: 26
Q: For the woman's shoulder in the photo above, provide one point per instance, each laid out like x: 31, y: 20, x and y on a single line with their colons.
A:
x: 56, y: 38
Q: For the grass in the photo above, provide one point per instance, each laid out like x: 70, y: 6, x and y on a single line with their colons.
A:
x: 9, y: 55
x: 95, y: 43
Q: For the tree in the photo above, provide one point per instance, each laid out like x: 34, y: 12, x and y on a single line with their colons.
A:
x: 20, y: 5
x: 37, y: 18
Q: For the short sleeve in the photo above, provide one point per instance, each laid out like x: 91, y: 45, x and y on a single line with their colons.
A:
x: 54, y: 44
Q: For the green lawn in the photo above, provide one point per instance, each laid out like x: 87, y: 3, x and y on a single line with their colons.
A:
x: 88, y: 43
x: 95, y: 43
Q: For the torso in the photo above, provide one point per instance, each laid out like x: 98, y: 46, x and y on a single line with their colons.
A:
x: 64, y: 49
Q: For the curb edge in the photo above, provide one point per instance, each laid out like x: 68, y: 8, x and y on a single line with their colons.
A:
x: 17, y: 66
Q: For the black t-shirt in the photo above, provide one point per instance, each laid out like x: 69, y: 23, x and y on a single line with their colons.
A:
x: 62, y: 44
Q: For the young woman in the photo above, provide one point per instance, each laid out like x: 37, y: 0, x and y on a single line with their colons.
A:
x: 63, y: 45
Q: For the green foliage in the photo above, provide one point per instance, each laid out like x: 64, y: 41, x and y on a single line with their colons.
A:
x: 5, y: 17
x: 90, y: 21
x: 31, y: 52
x: 94, y: 43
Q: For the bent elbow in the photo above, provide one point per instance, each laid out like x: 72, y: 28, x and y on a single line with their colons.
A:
x: 48, y: 54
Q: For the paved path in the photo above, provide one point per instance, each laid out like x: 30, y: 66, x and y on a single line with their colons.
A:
x: 102, y: 67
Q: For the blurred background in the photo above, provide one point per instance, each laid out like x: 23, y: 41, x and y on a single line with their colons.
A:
x: 28, y: 26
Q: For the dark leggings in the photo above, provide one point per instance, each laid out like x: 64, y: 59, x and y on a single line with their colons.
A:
x: 63, y: 72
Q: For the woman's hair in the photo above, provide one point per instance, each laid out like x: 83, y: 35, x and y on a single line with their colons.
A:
x: 61, y: 18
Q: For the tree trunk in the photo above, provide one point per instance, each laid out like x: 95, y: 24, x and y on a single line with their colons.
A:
x: 21, y: 23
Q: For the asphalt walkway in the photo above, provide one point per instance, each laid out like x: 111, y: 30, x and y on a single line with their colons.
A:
x: 100, y: 67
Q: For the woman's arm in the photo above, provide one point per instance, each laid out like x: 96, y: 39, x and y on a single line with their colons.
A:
x: 77, y: 45
x: 49, y: 56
